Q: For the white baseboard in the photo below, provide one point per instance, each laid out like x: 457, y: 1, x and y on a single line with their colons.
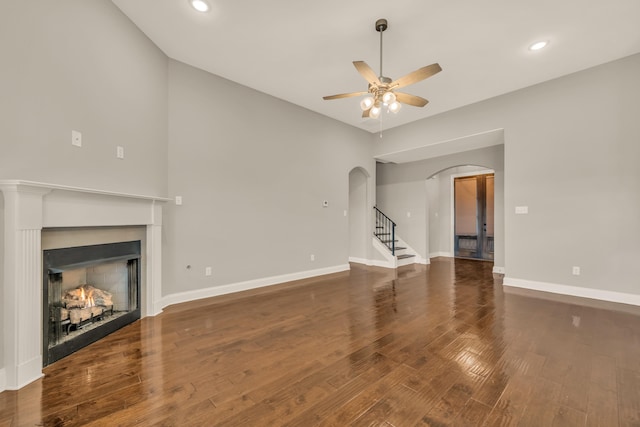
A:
x: 597, y: 294
x: 371, y: 262
x: 498, y: 270
x: 390, y: 261
x: 380, y: 263
x: 3, y: 380
x: 443, y: 254
x: 248, y: 285
x: 157, y: 308
x: 16, y: 377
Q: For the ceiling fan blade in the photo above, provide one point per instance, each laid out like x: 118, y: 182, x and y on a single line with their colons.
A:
x: 416, y: 76
x: 365, y: 113
x: 414, y: 100
x: 366, y: 72
x: 344, y: 95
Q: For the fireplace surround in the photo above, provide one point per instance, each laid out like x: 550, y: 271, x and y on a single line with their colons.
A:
x: 28, y: 208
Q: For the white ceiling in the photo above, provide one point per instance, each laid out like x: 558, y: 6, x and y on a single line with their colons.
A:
x: 299, y: 51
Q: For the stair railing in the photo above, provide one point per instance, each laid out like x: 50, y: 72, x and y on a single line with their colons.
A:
x: 385, y: 230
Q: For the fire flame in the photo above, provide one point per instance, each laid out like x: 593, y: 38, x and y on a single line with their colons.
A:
x: 88, y: 299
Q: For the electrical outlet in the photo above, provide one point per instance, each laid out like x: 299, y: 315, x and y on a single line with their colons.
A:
x: 313, y: 257
x: 120, y: 152
x: 576, y: 271
x: 207, y: 271
x: 178, y: 200
x: 522, y: 210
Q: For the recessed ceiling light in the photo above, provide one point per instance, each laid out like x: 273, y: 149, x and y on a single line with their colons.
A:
x: 200, y: 5
x: 538, y: 45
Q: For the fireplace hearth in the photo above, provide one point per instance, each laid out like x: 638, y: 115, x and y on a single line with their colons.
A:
x: 88, y: 293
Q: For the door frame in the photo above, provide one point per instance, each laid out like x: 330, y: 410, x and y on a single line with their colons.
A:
x: 452, y: 229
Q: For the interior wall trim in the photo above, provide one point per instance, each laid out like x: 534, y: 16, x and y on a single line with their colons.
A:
x: 3, y: 380
x: 440, y: 254
x: 215, y: 291
x: 575, y: 291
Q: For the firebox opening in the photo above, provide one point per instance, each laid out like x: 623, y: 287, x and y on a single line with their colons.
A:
x: 88, y: 292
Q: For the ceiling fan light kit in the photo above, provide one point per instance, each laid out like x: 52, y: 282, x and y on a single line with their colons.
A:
x: 381, y: 93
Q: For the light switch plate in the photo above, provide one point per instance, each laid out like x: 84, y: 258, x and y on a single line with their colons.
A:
x: 76, y: 138
x: 522, y: 210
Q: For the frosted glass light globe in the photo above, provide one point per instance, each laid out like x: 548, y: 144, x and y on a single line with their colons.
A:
x: 366, y: 103
x: 394, y: 107
x: 389, y: 98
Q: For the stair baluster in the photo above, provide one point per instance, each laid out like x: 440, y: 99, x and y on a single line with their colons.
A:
x: 385, y: 230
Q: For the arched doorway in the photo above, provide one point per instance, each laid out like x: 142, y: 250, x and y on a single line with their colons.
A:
x: 460, y: 214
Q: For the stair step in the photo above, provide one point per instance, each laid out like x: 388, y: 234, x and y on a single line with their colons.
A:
x: 400, y: 248
x: 387, y: 241
x: 382, y: 234
x: 404, y: 256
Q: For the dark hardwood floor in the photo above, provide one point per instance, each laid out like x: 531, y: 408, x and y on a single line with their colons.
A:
x: 441, y: 345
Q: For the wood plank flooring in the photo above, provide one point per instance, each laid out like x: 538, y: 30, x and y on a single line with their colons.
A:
x: 438, y: 345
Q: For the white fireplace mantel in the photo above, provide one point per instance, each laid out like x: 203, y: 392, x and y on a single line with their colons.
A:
x: 28, y: 208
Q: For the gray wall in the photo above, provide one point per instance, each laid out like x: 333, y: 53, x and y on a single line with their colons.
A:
x: 571, y: 155
x: 81, y: 65
x: 402, y: 188
x: 253, y: 172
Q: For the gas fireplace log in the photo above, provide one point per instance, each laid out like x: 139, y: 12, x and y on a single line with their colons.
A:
x: 82, y: 295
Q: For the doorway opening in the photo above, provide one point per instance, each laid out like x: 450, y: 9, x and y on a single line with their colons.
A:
x: 474, y: 216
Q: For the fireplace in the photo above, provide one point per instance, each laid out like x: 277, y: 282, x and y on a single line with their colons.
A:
x: 88, y: 292
x: 29, y: 213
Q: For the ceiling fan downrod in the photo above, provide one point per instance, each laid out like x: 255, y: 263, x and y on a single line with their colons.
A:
x: 381, y: 25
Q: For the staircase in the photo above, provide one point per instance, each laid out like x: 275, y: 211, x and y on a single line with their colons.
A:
x: 385, y: 232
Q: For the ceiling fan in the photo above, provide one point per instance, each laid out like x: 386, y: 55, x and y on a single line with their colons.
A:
x: 382, y: 90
